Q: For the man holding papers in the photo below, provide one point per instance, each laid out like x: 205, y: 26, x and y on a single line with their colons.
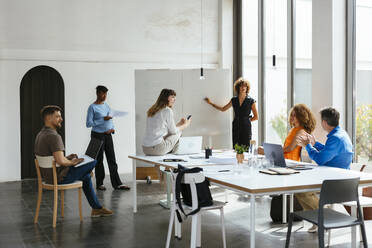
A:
x: 99, y: 118
x: 49, y: 143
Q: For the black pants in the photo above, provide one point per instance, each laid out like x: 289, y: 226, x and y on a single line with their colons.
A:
x: 108, y: 147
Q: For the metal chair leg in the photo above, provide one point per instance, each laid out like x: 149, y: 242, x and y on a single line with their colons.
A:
x: 194, y: 227
x: 289, y: 230
x: 329, y: 237
x: 321, y: 236
x: 198, y: 233
x: 363, y: 231
x: 170, y: 227
x: 223, y: 227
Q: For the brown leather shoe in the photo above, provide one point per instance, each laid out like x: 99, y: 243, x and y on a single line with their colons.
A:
x: 101, y: 212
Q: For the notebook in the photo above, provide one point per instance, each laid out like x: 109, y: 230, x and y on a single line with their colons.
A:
x: 279, y: 171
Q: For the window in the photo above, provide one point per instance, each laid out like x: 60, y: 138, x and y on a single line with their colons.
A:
x: 303, y: 52
x: 250, y: 51
x: 275, y: 14
x: 363, y: 83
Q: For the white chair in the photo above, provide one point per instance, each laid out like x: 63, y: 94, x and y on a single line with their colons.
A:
x: 192, y: 179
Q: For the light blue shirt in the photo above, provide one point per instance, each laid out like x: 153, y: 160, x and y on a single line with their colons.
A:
x: 96, y: 113
x: 337, y: 151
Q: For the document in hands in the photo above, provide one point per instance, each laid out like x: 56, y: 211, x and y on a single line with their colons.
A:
x: 116, y: 113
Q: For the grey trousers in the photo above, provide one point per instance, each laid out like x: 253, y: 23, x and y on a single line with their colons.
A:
x: 169, y: 144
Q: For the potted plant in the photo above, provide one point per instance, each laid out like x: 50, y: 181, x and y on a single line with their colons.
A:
x: 240, y: 152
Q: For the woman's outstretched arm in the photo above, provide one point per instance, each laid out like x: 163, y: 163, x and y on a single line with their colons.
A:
x: 223, y: 109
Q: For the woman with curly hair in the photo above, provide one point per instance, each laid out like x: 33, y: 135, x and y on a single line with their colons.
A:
x: 243, y: 106
x: 300, y: 119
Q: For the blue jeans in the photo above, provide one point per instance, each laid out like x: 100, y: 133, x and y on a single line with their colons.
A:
x: 82, y: 173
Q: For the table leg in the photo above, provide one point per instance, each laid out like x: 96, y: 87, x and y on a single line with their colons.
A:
x: 134, y: 186
x: 291, y: 203
x: 353, y: 228
x: 253, y: 219
x: 284, y: 208
x: 167, y: 203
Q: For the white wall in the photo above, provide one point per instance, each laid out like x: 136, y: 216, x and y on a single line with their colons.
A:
x: 95, y: 41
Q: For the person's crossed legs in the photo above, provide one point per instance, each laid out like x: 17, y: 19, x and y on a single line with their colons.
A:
x: 82, y: 173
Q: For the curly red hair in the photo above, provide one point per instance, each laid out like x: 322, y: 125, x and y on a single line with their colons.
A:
x: 304, y: 116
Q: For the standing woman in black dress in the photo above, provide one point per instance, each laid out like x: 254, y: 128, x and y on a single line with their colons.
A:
x: 243, y: 106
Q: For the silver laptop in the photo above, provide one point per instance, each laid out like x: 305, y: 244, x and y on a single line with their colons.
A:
x: 92, y: 151
x: 274, y: 153
x: 189, y: 145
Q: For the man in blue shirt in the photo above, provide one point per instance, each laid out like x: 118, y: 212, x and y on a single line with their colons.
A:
x: 99, y: 119
x: 336, y: 152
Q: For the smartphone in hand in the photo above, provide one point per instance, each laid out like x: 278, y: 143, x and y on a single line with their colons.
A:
x: 188, y: 117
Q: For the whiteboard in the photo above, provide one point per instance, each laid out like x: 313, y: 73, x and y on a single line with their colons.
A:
x: 213, y: 125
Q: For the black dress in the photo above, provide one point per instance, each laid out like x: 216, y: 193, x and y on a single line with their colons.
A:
x: 242, y: 129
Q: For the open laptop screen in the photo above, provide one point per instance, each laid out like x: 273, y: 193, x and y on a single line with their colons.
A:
x: 274, y: 152
x: 93, y: 148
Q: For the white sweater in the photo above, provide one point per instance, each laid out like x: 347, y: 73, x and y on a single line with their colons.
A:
x: 158, y: 126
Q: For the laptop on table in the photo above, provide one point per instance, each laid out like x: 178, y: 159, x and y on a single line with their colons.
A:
x: 92, y: 151
x: 274, y: 152
x: 189, y: 145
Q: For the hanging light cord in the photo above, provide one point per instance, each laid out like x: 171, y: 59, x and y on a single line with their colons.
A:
x: 201, y: 33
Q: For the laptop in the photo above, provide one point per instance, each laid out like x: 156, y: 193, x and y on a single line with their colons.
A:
x: 274, y: 152
x: 92, y: 151
x: 189, y: 145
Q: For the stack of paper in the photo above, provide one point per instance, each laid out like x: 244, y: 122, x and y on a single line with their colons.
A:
x: 222, y: 159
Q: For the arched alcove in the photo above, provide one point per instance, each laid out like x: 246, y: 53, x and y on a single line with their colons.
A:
x: 40, y: 86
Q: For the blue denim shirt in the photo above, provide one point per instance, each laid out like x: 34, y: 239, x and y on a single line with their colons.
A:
x: 337, y: 151
x: 96, y: 113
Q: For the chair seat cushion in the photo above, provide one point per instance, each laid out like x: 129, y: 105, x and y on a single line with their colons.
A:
x: 76, y: 184
x: 332, y: 218
x: 216, y: 205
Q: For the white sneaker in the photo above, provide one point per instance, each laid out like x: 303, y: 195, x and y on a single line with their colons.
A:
x: 313, y: 229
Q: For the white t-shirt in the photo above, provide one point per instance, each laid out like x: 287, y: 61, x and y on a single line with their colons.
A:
x: 158, y: 126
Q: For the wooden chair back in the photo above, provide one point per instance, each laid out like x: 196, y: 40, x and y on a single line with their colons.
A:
x: 45, y: 162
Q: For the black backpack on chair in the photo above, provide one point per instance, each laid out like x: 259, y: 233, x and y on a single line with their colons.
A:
x: 204, y: 194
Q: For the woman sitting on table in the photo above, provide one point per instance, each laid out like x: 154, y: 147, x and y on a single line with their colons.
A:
x: 301, y: 119
x: 162, y: 134
x: 243, y: 105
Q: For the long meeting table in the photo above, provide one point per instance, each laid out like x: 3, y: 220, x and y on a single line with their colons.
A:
x: 250, y: 181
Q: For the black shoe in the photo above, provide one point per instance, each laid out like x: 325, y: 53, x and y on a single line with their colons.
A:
x: 101, y: 187
x: 122, y: 187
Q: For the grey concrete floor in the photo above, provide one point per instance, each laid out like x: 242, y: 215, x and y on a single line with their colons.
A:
x: 147, y: 228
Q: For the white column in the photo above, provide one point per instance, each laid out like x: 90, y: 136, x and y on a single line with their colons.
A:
x: 329, y: 51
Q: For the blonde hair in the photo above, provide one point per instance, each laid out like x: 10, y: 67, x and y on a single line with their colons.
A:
x: 241, y: 82
x: 161, y: 102
x: 304, y: 116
